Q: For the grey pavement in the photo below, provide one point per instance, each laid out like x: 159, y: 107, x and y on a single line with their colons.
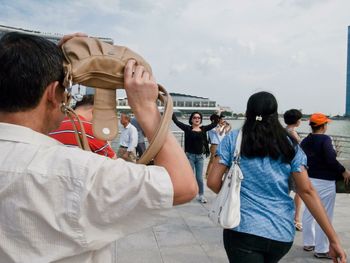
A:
x: 188, y: 236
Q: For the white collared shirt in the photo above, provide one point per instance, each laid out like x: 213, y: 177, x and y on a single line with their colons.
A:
x: 62, y: 204
x: 129, y: 137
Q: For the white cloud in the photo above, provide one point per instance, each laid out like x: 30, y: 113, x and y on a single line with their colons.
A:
x: 224, y: 50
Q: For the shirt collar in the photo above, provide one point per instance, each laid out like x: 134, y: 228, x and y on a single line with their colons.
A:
x: 18, y: 133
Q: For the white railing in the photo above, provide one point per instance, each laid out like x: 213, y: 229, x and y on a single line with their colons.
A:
x: 341, y: 143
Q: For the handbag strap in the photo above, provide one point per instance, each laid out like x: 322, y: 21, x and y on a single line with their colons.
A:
x: 155, y: 143
x: 237, y: 152
x: 235, y: 157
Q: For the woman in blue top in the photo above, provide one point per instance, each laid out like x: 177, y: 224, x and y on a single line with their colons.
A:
x: 269, y: 156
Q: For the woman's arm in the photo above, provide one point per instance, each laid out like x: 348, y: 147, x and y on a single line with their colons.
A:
x: 295, y: 135
x: 179, y: 124
x: 311, y: 199
x: 331, y: 156
x: 215, y: 175
x: 210, y: 126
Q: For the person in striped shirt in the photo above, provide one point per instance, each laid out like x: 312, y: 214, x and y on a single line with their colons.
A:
x: 65, y: 133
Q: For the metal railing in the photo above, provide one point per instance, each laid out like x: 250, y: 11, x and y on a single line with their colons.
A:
x: 340, y: 143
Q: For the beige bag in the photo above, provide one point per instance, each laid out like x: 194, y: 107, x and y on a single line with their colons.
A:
x: 91, y: 62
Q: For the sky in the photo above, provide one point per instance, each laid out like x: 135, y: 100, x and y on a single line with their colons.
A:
x: 224, y: 50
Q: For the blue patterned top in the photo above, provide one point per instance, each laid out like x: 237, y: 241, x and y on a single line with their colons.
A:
x: 267, y: 210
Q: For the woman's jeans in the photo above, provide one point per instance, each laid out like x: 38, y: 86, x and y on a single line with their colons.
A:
x: 247, y: 248
x: 197, y: 161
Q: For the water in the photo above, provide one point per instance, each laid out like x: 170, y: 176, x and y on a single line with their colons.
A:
x: 336, y: 127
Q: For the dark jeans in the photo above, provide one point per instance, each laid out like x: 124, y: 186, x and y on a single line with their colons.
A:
x: 247, y: 248
x: 140, y: 149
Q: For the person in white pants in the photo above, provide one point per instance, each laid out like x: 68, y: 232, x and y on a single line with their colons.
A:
x: 324, y: 170
x: 312, y: 233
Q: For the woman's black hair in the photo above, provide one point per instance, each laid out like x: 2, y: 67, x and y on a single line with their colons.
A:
x: 292, y: 116
x: 263, y: 134
x: 192, y: 114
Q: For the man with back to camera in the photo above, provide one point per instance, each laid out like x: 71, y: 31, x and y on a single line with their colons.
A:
x: 141, y: 145
x: 62, y: 204
x: 66, y: 134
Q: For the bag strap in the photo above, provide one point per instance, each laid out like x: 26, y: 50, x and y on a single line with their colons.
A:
x: 155, y: 143
x: 236, y: 155
x: 78, y: 127
x: 237, y: 152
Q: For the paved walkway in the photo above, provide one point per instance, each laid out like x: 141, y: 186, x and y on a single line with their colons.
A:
x: 188, y: 236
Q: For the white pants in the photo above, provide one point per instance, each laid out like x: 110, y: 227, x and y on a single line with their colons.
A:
x: 312, y: 233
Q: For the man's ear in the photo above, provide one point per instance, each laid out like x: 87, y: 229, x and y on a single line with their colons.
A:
x: 54, y: 93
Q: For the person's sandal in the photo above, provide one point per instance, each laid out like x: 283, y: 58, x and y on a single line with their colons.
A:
x: 309, y: 248
x: 298, y: 226
x: 322, y: 255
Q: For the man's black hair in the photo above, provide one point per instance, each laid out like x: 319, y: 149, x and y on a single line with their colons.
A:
x: 28, y: 64
x: 263, y: 134
x: 86, y: 100
x: 292, y: 116
x: 214, y: 118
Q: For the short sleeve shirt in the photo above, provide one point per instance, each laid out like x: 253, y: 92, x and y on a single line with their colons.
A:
x: 65, y: 134
x: 63, y: 204
x: 267, y: 210
x: 213, y: 136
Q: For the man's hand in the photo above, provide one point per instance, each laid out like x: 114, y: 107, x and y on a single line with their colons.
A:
x: 140, y: 86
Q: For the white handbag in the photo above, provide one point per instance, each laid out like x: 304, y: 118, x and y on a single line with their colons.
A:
x: 225, y: 210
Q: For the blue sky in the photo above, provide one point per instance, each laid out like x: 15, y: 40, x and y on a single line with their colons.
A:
x: 225, y: 50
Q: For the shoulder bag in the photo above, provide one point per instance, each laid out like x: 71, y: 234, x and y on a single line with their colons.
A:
x: 225, y: 210
x: 97, y: 64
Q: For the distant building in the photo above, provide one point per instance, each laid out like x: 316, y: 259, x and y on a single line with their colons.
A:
x: 54, y: 37
x: 184, y: 104
x: 347, y: 108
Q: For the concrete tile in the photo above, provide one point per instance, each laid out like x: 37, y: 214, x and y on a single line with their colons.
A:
x: 184, y: 254
x: 188, y: 236
x: 208, y: 236
x: 198, y: 221
x: 139, y: 256
x: 215, y: 252
x: 175, y: 237
x: 142, y: 240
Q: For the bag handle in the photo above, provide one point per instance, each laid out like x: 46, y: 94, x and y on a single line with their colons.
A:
x: 236, y: 156
x: 237, y: 152
x: 155, y: 143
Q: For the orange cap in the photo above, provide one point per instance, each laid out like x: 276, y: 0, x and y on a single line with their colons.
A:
x: 319, y: 119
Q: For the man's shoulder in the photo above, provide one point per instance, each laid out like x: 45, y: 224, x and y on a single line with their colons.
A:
x: 132, y: 127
